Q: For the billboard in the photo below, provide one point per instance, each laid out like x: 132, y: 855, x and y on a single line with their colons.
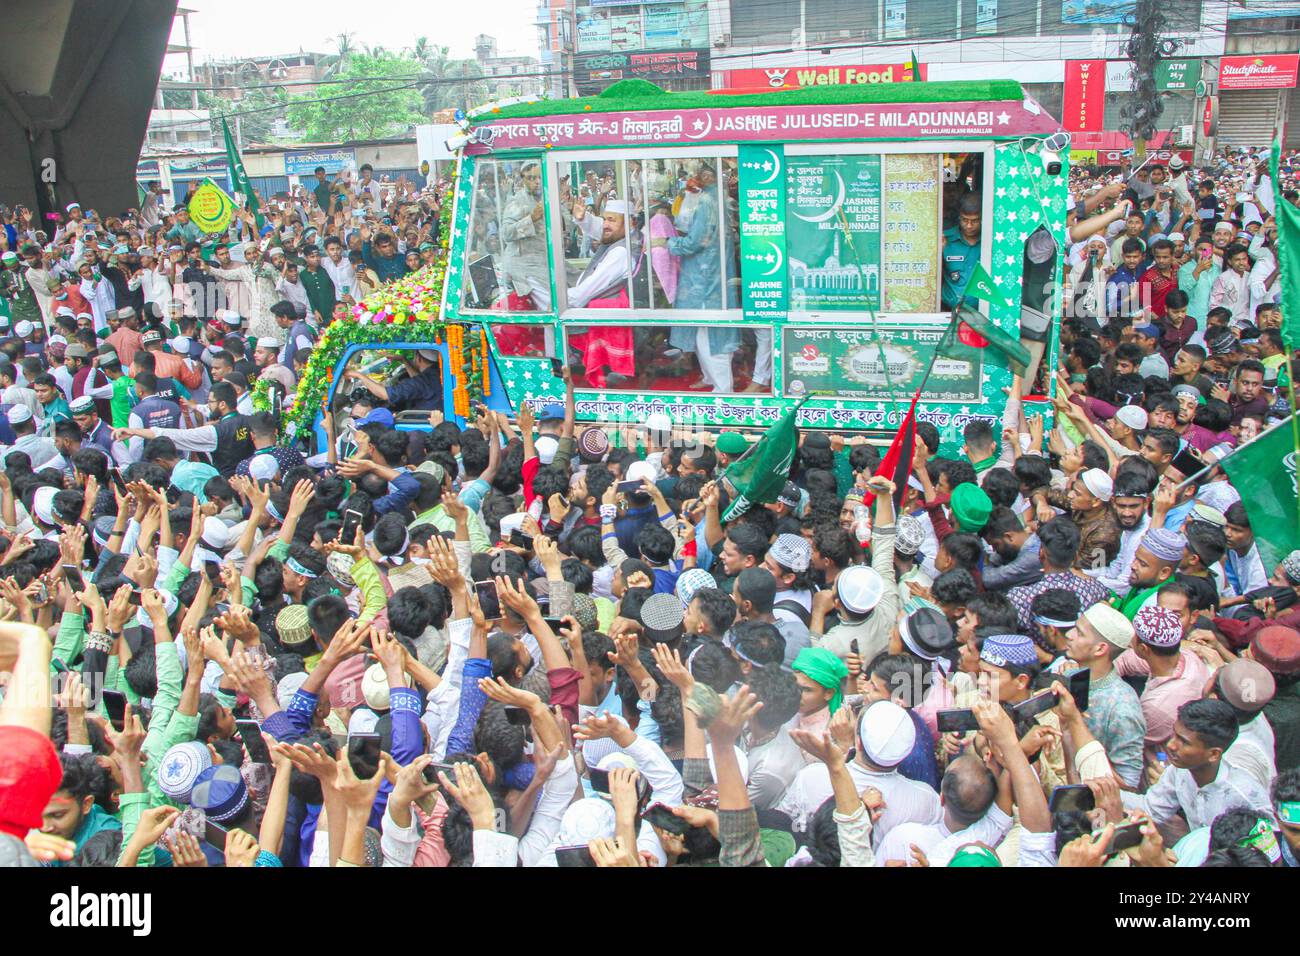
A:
x: 1276, y: 71
x: 798, y: 77
x: 1096, y: 11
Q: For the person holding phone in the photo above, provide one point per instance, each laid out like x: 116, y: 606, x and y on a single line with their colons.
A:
x: 1198, y: 781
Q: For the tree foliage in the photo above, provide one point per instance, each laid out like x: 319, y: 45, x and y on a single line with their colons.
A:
x: 259, y: 111
x: 367, y: 106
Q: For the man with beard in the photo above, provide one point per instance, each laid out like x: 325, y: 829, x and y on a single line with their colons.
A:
x: 1129, y: 505
x: 1158, y: 554
x: 523, y: 230
x: 607, y: 352
x: 1016, y: 548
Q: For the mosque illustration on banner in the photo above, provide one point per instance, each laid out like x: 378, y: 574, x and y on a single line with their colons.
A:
x: 832, y: 279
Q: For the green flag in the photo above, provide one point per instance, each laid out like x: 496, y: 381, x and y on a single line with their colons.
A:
x: 760, y: 474
x: 916, y: 68
x: 239, y: 178
x: 974, y: 330
x: 1268, y: 491
x: 1288, y: 244
x: 981, y: 286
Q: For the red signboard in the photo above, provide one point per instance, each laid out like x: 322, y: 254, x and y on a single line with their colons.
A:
x: 797, y: 77
x: 1210, y: 118
x: 1085, y: 95
x: 1275, y: 71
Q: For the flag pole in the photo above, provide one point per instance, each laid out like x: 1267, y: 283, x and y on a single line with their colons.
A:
x: 875, y: 330
x: 1285, y: 215
x: 1295, y: 428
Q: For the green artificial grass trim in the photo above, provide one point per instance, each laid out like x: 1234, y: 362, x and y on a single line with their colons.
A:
x: 630, y: 95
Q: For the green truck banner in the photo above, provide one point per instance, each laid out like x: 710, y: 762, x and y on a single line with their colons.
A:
x: 762, y: 231
x: 824, y: 273
x: 846, y: 363
x: 1177, y: 75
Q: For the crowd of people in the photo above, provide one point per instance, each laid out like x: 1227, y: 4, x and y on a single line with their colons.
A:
x: 520, y: 642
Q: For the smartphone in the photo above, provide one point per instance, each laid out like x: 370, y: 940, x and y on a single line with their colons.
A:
x: 1075, y: 797
x: 557, y: 368
x: 663, y: 817
x: 214, y: 835
x: 956, y: 721
x: 431, y: 772
x: 554, y: 623
x: 573, y: 856
x: 628, y: 487
x: 254, y: 742
x: 363, y: 754
x: 72, y: 574
x: 118, y: 481
x: 1037, y: 704
x: 351, y: 522
x: 1125, y: 838
x: 599, y: 779
x: 115, y: 706
x: 489, y: 601
x: 853, y: 648
x: 135, y: 597
x: 521, y: 540
x: 1079, y: 681
x: 213, y: 570
x: 518, y: 716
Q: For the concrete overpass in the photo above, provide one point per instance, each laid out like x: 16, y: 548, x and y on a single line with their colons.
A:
x: 77, y: 81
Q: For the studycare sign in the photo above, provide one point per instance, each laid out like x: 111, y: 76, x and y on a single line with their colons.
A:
x: 1273, y: 72
x: 757, y: 124
x: 799, y: 77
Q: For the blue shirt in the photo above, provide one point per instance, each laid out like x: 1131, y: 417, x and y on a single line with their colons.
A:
x: 626, y: 527
x: 920, y: 765
x: 1118, y: 288
x: 959, y: 261
x: 423, y: 391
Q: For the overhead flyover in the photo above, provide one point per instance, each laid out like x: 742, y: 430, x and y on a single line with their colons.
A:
x: 77, y: 82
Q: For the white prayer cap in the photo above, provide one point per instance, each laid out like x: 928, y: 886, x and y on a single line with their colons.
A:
x: 19, y: 414
x: 43, y: 499
x: 231, y: 317
x: 267, y: 342
x: 263, y: 467
x: 72, y: 205
x: 617, y: 206
x: 546, y: 446
x: 1099, y: 483
x: 1134, y: 416
x: 887, y: 733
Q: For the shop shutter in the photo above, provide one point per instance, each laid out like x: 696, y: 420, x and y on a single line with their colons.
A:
x: 1247, y: 117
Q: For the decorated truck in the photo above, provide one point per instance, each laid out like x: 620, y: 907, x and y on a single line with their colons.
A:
x: 721, y: 257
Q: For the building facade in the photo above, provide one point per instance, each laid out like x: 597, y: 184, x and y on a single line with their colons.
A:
x: 1069, y: 55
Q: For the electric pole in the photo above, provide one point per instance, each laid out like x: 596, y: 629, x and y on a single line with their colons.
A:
x: 1145, y: 48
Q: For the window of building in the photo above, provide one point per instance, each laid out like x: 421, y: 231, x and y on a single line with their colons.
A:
x: 762, y: 21
x: 832, y: 19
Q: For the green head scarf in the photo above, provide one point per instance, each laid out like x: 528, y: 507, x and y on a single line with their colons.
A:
x: 825, y: 668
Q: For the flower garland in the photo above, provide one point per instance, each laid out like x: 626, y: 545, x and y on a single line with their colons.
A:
x: 405, y: 310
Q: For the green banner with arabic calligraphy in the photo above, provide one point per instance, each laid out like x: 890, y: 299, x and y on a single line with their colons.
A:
x: 761, y: 197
